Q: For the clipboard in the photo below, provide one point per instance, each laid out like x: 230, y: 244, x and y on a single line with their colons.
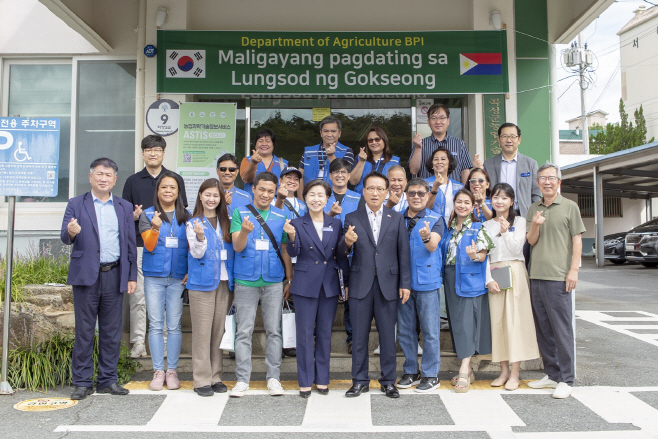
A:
x: 503, y: 276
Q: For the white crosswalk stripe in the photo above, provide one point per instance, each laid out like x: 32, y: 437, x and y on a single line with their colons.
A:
x: 637, y: 324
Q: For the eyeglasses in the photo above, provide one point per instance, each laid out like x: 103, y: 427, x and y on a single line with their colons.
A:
x: 476, y: 180
x: 152, y: 150
x: 372, y: 189
x: 374, y: 139
x: 435, y: 118
x: 224, y: 169
x: 551, y: 178
x: 509, y: 136
x: 341, y: 172
x: 414, y: 194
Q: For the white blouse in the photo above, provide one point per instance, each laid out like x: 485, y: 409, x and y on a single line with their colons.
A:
x: 509, y: 245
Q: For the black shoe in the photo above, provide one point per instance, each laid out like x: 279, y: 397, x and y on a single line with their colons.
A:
x: 291, y: 352
x: 408, y: 380
x: 81, y: 392
x: 324, y: 391
x: 349, y: 347
x: 219, y: 387
x: 204, y: 391
x: 114, y: 389
x: 390, y: 390
x: 231, y: 355
x: 427, y: 384
x: 304, y: 393
x: 357, y: 389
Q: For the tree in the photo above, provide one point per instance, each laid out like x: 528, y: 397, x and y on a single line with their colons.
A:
x: 621, y: 135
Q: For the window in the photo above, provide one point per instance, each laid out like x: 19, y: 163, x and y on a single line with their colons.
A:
x: 106, y: 119
x: 611, y: 206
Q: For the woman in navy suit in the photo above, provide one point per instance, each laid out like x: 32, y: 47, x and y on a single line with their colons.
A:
x: 314, y: 238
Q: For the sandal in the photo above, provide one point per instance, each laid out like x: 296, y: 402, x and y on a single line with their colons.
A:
x: 471, y: 380
x: 461, y: 388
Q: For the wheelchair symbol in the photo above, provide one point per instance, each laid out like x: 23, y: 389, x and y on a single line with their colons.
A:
x: 22, y: 152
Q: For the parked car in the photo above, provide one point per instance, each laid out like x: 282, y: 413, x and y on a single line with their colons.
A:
x: 614, y: 245
x: 641, y: 244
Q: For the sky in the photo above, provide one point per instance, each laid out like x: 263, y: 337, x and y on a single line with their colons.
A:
x: 602, y: 39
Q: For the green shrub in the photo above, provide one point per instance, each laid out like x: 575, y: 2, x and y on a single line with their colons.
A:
x: 48, y: 364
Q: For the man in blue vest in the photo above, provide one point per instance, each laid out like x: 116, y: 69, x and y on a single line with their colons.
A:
x: 317, y: 158
x: 227, y: 172
x: 261, y: 263
x: 425, y: 229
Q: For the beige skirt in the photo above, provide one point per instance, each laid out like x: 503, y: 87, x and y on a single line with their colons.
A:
x: 513, y: 335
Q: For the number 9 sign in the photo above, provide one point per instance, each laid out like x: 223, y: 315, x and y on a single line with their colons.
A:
x: 162, y: 117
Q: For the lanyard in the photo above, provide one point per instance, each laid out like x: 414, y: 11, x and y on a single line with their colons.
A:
x: 219, y: 237
x: 378, y: 163
x: 171, y: 228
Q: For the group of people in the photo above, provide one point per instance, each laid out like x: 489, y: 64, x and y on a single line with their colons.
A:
x: 456, y: 237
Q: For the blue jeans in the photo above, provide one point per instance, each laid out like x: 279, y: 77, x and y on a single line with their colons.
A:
x: 163, y: 295
x: 425, y: 305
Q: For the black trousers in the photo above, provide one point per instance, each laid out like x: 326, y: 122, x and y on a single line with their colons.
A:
x: 385, y: 312
x: 102, y: 301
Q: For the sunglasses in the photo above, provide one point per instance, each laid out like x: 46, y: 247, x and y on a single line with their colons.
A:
x: 224, y: 169
x: 414, y: 194
x: 477, y: 180
x: 374, y: 139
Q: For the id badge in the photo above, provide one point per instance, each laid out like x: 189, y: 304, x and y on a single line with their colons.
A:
x: 262, y: 244
x: 321, y: 173
x: 171, y: 242
x: 223, y: 254
x: 328, y: 229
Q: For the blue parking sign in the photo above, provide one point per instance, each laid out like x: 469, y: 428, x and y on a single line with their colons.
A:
x: 29, y: 156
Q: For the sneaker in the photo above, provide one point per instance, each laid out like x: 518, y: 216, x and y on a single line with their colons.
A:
x: 376, y: 351
x: 445, y: 325
x: 420, y: 350
x: 274, y: 386
x: 544, y: 383
x: 204, y: 391
x: 408, y: 380
x: 563, y: 390
x: 239, y: 389
x: 219, y: 387
x: 427, y: 384
x: 138, y: 350
x: 173, y: 382
x: 158, y: 380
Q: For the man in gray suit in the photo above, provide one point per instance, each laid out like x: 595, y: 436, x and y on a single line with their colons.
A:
x: 514, y: 168
x: 377, y: 238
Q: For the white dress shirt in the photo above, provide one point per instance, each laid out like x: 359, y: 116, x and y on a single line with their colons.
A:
x: 375, y: 219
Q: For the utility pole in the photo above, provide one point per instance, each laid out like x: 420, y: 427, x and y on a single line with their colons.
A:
x: 579, y: 56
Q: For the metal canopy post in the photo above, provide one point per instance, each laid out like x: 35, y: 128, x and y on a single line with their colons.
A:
x: 598, y: 216
x: 5, y: 388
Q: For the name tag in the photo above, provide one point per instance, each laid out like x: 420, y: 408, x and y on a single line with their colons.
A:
x: 171, y: 242
x: 525, y: 174
x: 223, y: 254
x: 321, y: 173
x: 511, y: 229
x: 328, y: 229
x: 262, y: 244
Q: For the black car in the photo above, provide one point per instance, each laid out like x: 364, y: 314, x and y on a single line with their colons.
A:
x: 641, y: 244
x: 614, y: 245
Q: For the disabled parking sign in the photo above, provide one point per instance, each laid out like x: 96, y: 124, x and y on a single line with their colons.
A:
x: 29, y: 156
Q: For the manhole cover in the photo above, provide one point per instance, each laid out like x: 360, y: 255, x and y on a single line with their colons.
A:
x: 45, y: 404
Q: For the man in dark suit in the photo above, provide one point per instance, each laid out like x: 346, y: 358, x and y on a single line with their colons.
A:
x: 103, y: 266
x: 379, y: 275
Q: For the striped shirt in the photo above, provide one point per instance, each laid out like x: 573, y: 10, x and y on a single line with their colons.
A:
x: 454, y: 145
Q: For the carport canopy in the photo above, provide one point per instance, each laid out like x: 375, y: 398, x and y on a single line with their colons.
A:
x: 631, y: 173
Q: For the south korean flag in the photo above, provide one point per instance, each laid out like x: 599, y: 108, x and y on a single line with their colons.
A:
x: 186, y: 64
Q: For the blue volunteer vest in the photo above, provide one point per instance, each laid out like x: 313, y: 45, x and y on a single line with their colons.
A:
x: 368, y: 167
x: 301, y: 210
x: 350, y: 204
x: 425, y: 266
x: 250, y: 263
x: 312, y: 162
x: 440, y: 201
x: 163, y: 261
x: 470, y: 277
x: 204, y: 273
x: 478, y: 213
x: 239, y: 198
x: 276, y: 170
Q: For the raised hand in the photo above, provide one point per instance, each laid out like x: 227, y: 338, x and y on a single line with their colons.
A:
x: 350, y: 236
x: 73, y: 228
x: 255, y: 157
x: 393, y: 198
x: 247, y: 226
x: 228, y: 196
x: 418, y: 141
x: 439, y: 180
x: 290, y: 230
x: 538, y: 218
x: 283, y: 193
x: 330, y: 148
x: 137, y: 212
x: 156, y: 222
x: 471, y: 250
x: 362, y: 154
x: 335, y: 209
x: 425, y: 231
x: 477, y: 161
x: 504, y: 225
x: 198, y: 229
x: 478, y: 195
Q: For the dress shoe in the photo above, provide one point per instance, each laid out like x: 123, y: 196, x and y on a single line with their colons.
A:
x: 289, y: 352
x: 219, y: 387
x: 390, y: 390
x: 304, y: 393
x: 204, y: 391
x: 357, y: 389
x: 81, y: 392
x: 324, y: 391
x: 349, y: 347
x: 114, y: 389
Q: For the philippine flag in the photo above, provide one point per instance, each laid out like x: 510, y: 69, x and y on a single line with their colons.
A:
x: 480, y: 64
x: 186, y: 64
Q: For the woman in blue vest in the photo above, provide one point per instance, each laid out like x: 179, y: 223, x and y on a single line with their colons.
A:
x: 210, y: 284
x: 262, y: 159
x: 165, y: 268
x: 443, y: 189
x: 466, y: 244
x: 375, y: 156
x: 479, y: 184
